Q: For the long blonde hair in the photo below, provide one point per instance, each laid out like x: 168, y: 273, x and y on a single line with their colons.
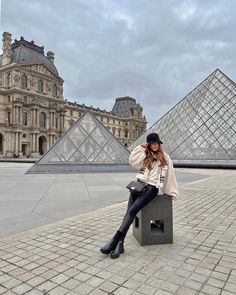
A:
x: 160, y: 156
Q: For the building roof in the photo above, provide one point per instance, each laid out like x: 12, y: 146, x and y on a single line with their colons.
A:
x: 123, y: 105
x: 25, y: 53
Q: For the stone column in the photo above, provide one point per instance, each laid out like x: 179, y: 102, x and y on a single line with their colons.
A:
x: 36, y: 118
x: 16, y: 143
x: 33, y: 142
x: 15, y: 115
x: 36, y: 143
x: 20, y: 115
x: 32, y: 117
x: 20, y: 143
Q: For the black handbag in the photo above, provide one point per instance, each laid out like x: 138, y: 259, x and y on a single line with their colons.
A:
x: 137, y: 187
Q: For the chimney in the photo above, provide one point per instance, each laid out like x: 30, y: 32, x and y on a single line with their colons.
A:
x: 6, y: 58
x: 50, y: 56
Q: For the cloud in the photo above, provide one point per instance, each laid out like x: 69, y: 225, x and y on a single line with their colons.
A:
x: 154, y: 51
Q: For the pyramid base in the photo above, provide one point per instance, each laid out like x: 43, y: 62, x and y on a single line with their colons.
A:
x: 214, y: 164
x: 79, y: 168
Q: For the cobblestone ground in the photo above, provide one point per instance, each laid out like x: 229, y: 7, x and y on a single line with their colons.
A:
x: 64, y: 257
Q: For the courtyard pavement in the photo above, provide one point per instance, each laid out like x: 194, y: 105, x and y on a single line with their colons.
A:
x: 64, y: 258
x: 28, y: 201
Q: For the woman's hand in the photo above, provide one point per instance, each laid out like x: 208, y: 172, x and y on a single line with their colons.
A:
x: 144, y: 145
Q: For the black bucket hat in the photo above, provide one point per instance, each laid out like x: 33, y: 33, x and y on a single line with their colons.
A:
x: 153, y: 138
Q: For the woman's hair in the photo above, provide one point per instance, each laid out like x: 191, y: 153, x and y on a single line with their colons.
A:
x: 159, y: 156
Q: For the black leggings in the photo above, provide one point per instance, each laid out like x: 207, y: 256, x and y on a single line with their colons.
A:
x: 135, y: 204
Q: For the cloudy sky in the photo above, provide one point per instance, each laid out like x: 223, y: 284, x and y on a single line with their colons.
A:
x: 156, y: 51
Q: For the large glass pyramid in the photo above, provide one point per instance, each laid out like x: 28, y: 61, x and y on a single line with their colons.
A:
x: 201, y: 128
x: 87, y: 146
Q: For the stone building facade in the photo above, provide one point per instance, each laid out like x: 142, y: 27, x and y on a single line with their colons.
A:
x: 33, y: 111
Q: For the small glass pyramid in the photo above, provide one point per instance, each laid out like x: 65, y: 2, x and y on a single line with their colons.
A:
x: 86, y: 146
x: 202, y: 126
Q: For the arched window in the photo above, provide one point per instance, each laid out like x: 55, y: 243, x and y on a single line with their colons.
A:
x: 24, y: 81
x: 1, y: 143
x: 8, y: 79
x: 54, y: 90
x: 40, y: 86
x: 42, y: 120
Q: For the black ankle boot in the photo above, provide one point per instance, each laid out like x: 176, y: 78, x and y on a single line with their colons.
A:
x: 118, y: 249
x: 111, y: 245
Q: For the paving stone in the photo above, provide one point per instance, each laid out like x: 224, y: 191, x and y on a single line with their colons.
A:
x: 83, y: 289
x: 193, y: 284
x: 186, y: 291
x: 10, y: 284
x: 211, y: 290
x: 215, y: 282
x: 108, y: 286
x: 58, y: 291
x: 132, y: 284
x: 2, y: 289
x: 230, y: 287
x: 46, y: 286
x: 22, y: 289
x: 146, y: 289
x: 122, y: 291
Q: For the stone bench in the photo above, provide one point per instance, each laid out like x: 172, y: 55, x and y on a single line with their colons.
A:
x: 153, y: 224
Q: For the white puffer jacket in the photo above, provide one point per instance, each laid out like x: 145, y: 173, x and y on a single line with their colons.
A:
x: 166, y: 179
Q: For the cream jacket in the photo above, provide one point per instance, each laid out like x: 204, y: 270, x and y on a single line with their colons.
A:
x: 166, y: 175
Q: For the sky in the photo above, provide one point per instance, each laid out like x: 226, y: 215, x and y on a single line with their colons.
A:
x: 155, y: 51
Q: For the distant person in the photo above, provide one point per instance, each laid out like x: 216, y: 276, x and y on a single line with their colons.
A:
x: 156, y: 169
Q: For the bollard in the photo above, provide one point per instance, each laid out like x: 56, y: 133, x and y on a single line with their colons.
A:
x: 153, y: 224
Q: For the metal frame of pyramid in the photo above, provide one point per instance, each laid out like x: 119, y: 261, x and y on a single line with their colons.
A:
x: 200, y: 130
x: 87, y: 146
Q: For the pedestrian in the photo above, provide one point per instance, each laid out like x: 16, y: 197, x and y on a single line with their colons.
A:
x: 156, y: 169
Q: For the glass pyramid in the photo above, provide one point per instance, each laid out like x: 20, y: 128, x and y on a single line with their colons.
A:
x: 86, y: 146
x: 202, y: 126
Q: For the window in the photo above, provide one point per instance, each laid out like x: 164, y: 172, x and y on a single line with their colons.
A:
x: 42, y: 120
x: 40, y: 86
x: 25, y: 118
x: 54, y: 90
x: 24, y: 81
x: 71, y: 113
x: 8, y: 79
x: 126, y: 133
x: 9, y: 98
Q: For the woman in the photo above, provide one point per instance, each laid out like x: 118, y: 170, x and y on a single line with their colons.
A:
x: 156, y: 169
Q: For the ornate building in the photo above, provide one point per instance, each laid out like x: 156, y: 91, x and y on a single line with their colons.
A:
x: 33, y: 111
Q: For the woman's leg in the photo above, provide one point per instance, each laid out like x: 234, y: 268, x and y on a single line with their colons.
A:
x: 111, y: 245
x: 135, y: 205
